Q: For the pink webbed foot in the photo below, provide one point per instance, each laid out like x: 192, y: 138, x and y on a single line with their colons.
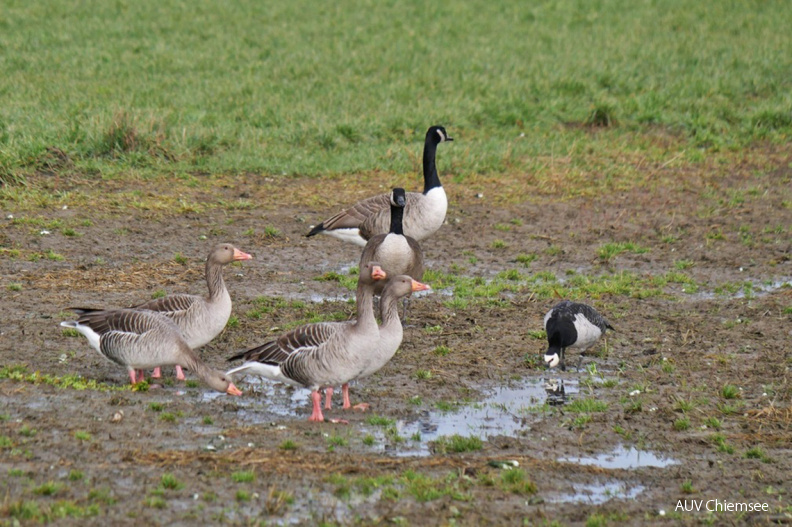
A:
x: 316, y: 415
x: 345, y: 391
x: 362, y: 407
x: 157, y: 373
x: 179, y: 373
x: 328, y: 398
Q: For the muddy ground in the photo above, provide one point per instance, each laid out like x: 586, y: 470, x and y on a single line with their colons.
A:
x: 670, y: 428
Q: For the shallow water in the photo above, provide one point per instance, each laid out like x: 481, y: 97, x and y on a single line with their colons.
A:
x: 623, y: 458
x: 598, y: 493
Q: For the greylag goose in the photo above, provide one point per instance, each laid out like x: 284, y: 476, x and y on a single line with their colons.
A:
x: 397, y: 254
x: 140, y: 340
x: 391, y: 332
x: 319, y: 355
x: 424, y: 212
x: 200, y: 318
x: 572, y: 325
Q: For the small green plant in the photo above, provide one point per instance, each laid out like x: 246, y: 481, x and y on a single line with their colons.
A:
x: 376, y: 420
x: 75, y: 475
x: 369, y: 440
x: 26, y: 431
x: 457, y: 443
x: 729, y: 391
x: 442, y: 351
x: 288, y: 444
x: 168, y: 417
x: 587, y: 406
x: 180, y: 259
x: 687, y: 487
x: 16, y: 472
x: 49, y: 488
x: 423, y: 375
x: 242, y: 495
x: 155, y: 502
x: 245, y: 476
x: 13, y: 286
x: 82, y: 435
x: 498, y: 244
x: 526, y: 259
x: 156, y: 407
x: 757, y: 453
x: 169, y: 481
x: 681, y: 424
x: 70, y: 332
x: 233, y: 322
x: 159, y: 293
x: 515, y: 480
x: 208, y: 420
x: 271, y: 232
x: 713, y: 422
x: 191, y: 383
x: 335, y: 440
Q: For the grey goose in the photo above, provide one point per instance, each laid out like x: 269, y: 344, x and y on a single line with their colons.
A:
x: 319, y: 355
x: 200, y: 318
x: 424, y: 212
x: 140, y: 339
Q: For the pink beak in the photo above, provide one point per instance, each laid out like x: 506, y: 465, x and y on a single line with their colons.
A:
x: 419, y: 286
x: 239, y: 255
x: 378, y: 274
x: 233, y: 390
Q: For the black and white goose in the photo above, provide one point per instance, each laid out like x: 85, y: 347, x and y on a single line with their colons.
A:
x: 396, y: 253
x: 424, y: 212
x: 572, y: 325
x: 139, y: 339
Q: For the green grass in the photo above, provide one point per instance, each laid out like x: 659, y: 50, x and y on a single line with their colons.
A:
x: 82, y: 435
x: 245, y: 476
x: 339, y: 89
x: 169, y: 481
x: 457, y: 443
x: 609, y: 250
x: 586, y: 406
x: 288, y: 444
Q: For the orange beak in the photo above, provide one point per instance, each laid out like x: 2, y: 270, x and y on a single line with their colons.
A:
x: 239, y: 255
x: 378, y: 274
x: 233, y: 390
x: 419, y: 286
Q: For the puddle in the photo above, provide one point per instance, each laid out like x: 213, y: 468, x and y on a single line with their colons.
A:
x: 598, y: 493
x: 505, y: 410
x: 754, y: 289
x: 623, y: 458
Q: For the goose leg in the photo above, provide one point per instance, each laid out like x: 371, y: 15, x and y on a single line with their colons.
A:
x: 328, y: 398
x: 157, y: 373
x: 179, y: 373
x: 563, y: 360
x: 345, y: 391
x: 133, y: 376
x: 316, y: 398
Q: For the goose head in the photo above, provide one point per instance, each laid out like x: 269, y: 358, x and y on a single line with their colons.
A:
x: 370, y: 273
x: 225, y: 253
x: 437, y: 134
x: 398, y: 197
x: 403, y: 285
x: 552, y: 357
x: 222, y: 383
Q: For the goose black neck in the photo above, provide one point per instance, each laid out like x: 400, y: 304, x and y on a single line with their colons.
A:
x: 431, y: 179
x: 397, y: 213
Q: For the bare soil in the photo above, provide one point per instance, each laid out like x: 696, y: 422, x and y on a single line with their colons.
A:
x: 667, y: 363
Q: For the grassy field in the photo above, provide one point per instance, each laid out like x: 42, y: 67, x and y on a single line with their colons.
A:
x: 303, y: 88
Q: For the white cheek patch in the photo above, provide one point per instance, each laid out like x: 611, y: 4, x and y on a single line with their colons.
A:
x: 552, y: 360
x: 442, y: 135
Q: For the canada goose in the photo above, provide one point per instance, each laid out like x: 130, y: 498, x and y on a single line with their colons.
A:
x: 139, y: 339
x: 424, y: 212
x: 319, y: 355
x: 398, y: 254
x: 200, y: 318
x: 572, y: 325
